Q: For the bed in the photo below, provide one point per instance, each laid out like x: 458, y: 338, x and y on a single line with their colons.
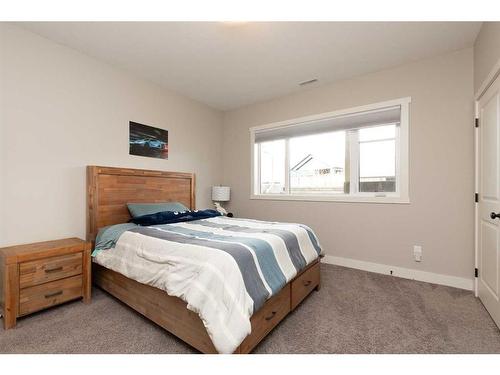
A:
x: 108, y: 192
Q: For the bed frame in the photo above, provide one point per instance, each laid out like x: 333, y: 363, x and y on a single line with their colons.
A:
x: 108, y: 192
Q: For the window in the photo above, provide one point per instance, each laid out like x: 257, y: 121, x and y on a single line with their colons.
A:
x: 360, y: 154
x: 377, y: 159
x: 317, y: 164
x: 272, y: 167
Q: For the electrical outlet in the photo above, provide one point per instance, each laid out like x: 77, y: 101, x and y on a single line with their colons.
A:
x: 417, y: 253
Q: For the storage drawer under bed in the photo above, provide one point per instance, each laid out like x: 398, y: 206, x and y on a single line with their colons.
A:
x: 268, y: 317
x: 304, y: 283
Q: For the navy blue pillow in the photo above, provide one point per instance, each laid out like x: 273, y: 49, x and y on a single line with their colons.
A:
x: 169, y: 217
x: 140, y: 209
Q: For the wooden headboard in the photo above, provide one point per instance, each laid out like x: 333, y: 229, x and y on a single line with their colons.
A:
x: 110, y: 189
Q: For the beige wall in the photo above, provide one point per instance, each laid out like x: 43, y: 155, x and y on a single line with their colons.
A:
x: 60, y: 111
x: 486, y: 52
x: 440, y: 216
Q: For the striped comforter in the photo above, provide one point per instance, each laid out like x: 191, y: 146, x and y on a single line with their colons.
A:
x: 223, y: 268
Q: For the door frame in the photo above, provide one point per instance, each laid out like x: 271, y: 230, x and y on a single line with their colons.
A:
x: 490, y: 78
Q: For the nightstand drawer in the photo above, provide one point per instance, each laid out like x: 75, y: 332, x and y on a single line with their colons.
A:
x: 49, y: 269
x: 49, y: 294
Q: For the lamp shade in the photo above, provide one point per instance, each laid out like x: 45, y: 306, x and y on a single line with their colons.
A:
x: 221, y: 193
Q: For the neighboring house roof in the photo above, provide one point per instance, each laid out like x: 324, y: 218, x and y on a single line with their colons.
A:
x: 313, y: 164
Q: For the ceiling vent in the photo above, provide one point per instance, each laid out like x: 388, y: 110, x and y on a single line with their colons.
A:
x: 308, y: 82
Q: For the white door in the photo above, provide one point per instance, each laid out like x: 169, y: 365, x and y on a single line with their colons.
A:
x: 489, y: 200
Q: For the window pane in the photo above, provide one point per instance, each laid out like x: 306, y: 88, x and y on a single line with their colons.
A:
x: 377, y: 166
x: 377, y: 159
x: 377, y: 132
x: 317, y: 164
x: 272, y: 167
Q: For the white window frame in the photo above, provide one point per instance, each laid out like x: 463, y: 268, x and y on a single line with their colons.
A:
x: 401, y: 195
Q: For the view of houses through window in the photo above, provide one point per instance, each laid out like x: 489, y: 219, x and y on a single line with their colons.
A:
x: 330, y: 163
x: 317, y: 163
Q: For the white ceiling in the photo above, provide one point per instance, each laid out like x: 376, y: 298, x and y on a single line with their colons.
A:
x: 229, y: 65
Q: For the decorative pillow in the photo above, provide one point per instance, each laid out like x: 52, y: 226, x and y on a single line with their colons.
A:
x: 169, y: 217
x: 141, y: 209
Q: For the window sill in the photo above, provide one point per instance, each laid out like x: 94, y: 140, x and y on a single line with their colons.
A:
x: 343, y: 199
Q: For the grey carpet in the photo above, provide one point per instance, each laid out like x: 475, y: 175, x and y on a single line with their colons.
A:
x: 354, y: 312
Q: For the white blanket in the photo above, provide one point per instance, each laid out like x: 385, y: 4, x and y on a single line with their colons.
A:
x: 217, y: 293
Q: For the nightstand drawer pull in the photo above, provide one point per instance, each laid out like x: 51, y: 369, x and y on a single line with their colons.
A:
x: 58, y: 293
x: 307, y: 283
x: 54, y: 269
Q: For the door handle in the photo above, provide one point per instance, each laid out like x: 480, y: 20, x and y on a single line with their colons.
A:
x: 494, y: 216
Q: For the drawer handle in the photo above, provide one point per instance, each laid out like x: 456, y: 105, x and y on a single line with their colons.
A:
x: 270, y: 316
x: 58, y: 293
x: 307, y: 283
x: 50, y: 270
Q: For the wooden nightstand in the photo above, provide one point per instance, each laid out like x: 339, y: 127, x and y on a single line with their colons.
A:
x: 40, y: 275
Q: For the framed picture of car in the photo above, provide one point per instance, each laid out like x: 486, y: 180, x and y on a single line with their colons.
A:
x: 148, y: 141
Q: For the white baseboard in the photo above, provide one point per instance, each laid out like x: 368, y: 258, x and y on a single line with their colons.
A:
x: 405, y: 273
